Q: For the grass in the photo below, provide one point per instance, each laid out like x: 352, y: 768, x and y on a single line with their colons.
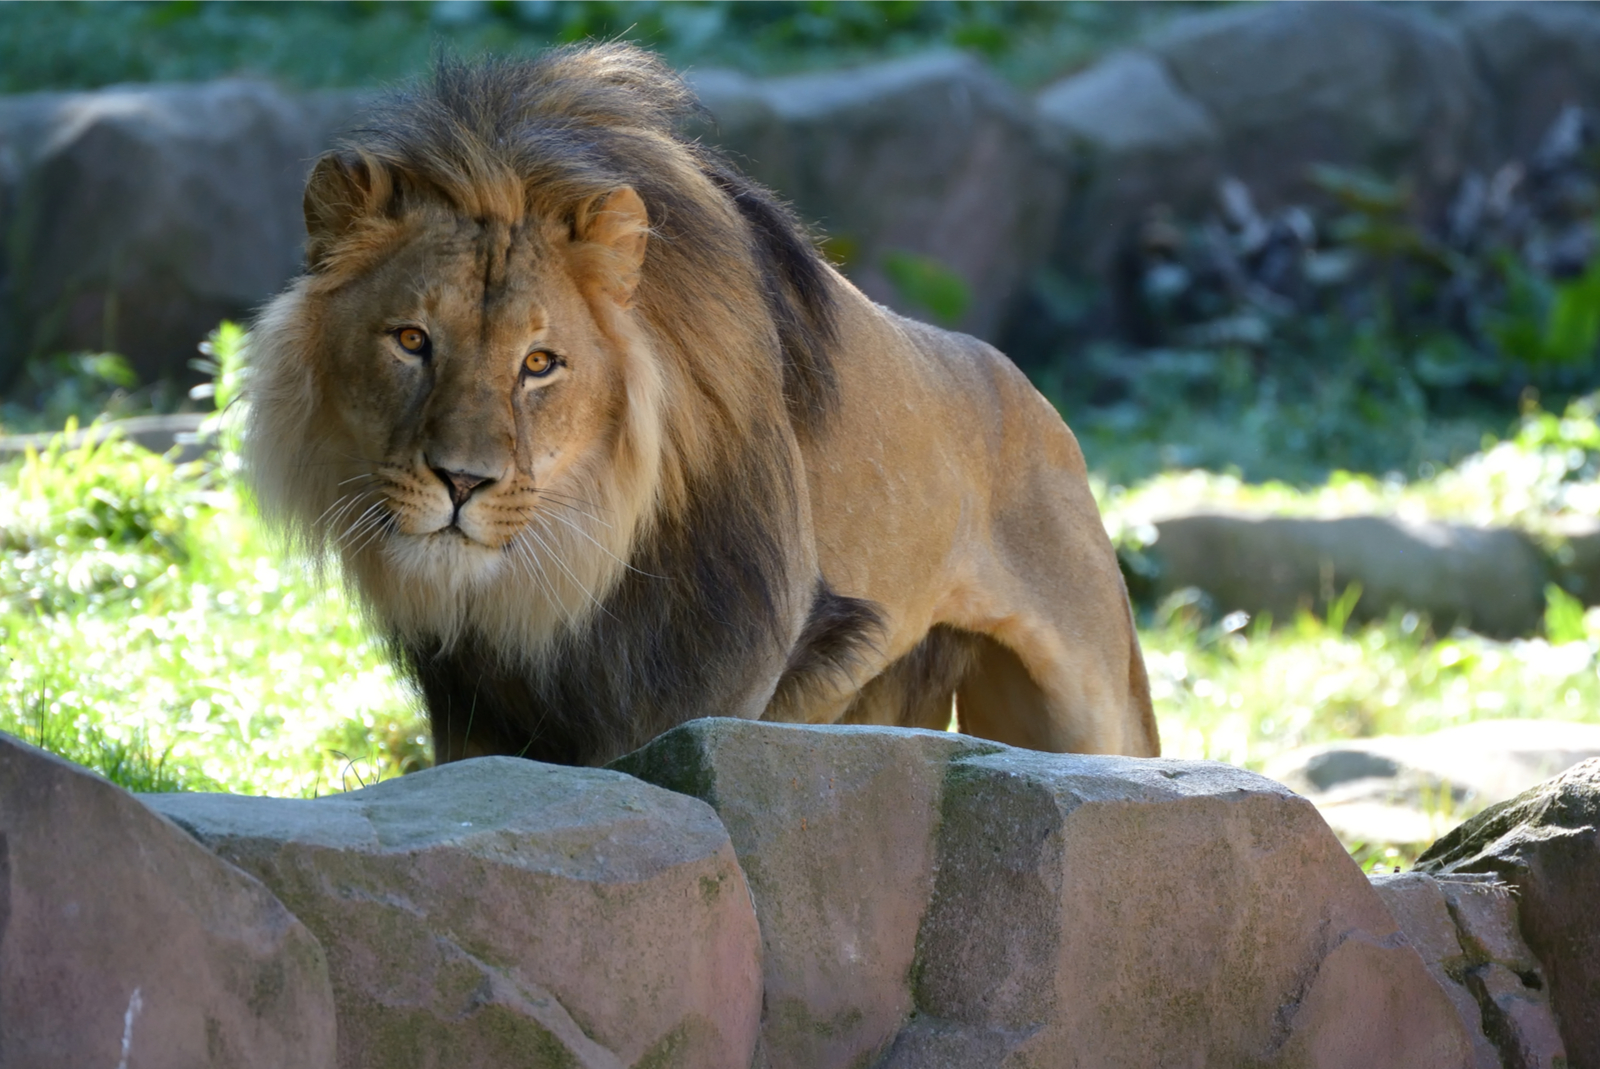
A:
x: 150, y: 631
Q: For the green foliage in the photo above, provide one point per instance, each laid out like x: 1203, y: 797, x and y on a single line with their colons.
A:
x: 59, y: 46
x: 928, y: 285
x: 76, y: 386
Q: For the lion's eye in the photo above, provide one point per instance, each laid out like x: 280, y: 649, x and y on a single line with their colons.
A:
x: 540, y: 363
x: 413, y: 340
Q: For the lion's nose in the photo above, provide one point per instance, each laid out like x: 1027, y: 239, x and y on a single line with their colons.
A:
x: 461, y: 484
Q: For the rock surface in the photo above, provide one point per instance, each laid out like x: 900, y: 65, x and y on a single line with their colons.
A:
x: 498, y: 911
x: 1400, y: 788
x: 1139, y: 141
x: 1545, y: 843
x: 835, y: 831
x: 135, y: 218
x: 1535, y: 60
x: 125, y: 943
x: 1489, y: 579
x: 1068, y: 910
x: 1465, y: 928
x: 1363, y: 85
x: 931, y: 156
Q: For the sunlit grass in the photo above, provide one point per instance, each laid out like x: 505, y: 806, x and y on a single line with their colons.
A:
x: 149, y: 630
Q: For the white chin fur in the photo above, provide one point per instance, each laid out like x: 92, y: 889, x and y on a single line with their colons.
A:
x: 444, y: 560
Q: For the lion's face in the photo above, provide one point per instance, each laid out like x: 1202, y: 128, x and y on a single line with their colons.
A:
x: 474, y: 381
x: 484, y: 407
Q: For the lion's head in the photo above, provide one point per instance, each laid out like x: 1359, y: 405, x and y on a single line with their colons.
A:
x: 539, y: 337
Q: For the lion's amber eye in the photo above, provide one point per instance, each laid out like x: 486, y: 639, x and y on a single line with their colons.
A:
x: 539, y: 362
x: 412, y: 339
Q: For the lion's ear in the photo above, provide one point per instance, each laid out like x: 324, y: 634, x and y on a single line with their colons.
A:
x: 341, y: 190
x: 617, y: 221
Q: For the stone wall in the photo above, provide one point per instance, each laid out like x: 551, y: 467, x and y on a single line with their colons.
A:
x: 745, y: 894
x: 134, y: 218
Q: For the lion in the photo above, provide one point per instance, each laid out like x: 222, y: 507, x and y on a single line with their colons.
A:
x: 602, y: 444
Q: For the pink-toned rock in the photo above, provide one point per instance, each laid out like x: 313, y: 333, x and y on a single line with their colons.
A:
x: 503, y: 912
x: 1116, y: 912
x: 835, y: 830
x: 1418, y: 906
x: 124, y: 944
x: 1073, y: 911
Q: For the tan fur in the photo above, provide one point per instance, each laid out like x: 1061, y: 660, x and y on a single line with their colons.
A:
x: 927, y: 482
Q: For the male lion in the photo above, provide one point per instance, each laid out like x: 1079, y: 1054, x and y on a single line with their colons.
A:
x: 603, y: 444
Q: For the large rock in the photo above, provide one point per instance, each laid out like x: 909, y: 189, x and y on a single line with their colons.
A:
x: 1465, y: 928
x: 125, y: 943
x: 1290, y: 85
x: 931, y: 156
x: 1401, y: 788
x: 134, y: 218
x: 835, y: 830
x: 1536, y: 59
x: 1060, y: 911
x: 499, y: 911
x: 1545, y: 843
x: 1139, y: 141
x: 1489, y: 579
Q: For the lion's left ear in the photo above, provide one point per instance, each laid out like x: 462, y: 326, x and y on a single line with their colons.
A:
x: 616, y: 221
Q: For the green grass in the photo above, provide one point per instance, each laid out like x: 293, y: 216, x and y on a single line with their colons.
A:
x: 150, y: 631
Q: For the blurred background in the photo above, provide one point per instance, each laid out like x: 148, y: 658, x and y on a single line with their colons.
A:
x: 1315, y: 284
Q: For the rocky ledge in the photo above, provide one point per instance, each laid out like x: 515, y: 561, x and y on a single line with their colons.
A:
x: 747, y: 894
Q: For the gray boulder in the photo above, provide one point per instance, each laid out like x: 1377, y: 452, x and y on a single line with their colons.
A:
x: 1489, y: 579
x: 1060, y: 910
x: 931, y: 156
x: 125, y: 943
x: 1545, y: 844
x: 1536, y: 58
x: 135, y: 218
x: 1400, y: 788
x: 1138, y: 141
x: 499, y: 911
x: 1293, y: 84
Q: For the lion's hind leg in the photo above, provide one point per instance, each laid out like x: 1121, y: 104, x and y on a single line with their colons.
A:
x: 1077, y: 708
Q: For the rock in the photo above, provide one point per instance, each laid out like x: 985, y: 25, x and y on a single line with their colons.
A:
x: 1489, y: 579
x: 123, y: 942
x: 1401, y: 788
x: 1465, y: 928
x: 1290, y: 85
x: 1418, y: 907
x: 1069, y: 910
x: 835, y: 830
x: 1577, y: 556
x: 1545, y: 843
x: 135, y: 218
x: 1536, y: 59
x: 499, y: 911
x: 931, y: 156
x: 1139, y: 141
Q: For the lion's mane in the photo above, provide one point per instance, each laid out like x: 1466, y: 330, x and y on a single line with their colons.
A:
x: 736, y: 323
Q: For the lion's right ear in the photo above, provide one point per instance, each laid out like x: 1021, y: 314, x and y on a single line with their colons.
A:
x: 343, y: 188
